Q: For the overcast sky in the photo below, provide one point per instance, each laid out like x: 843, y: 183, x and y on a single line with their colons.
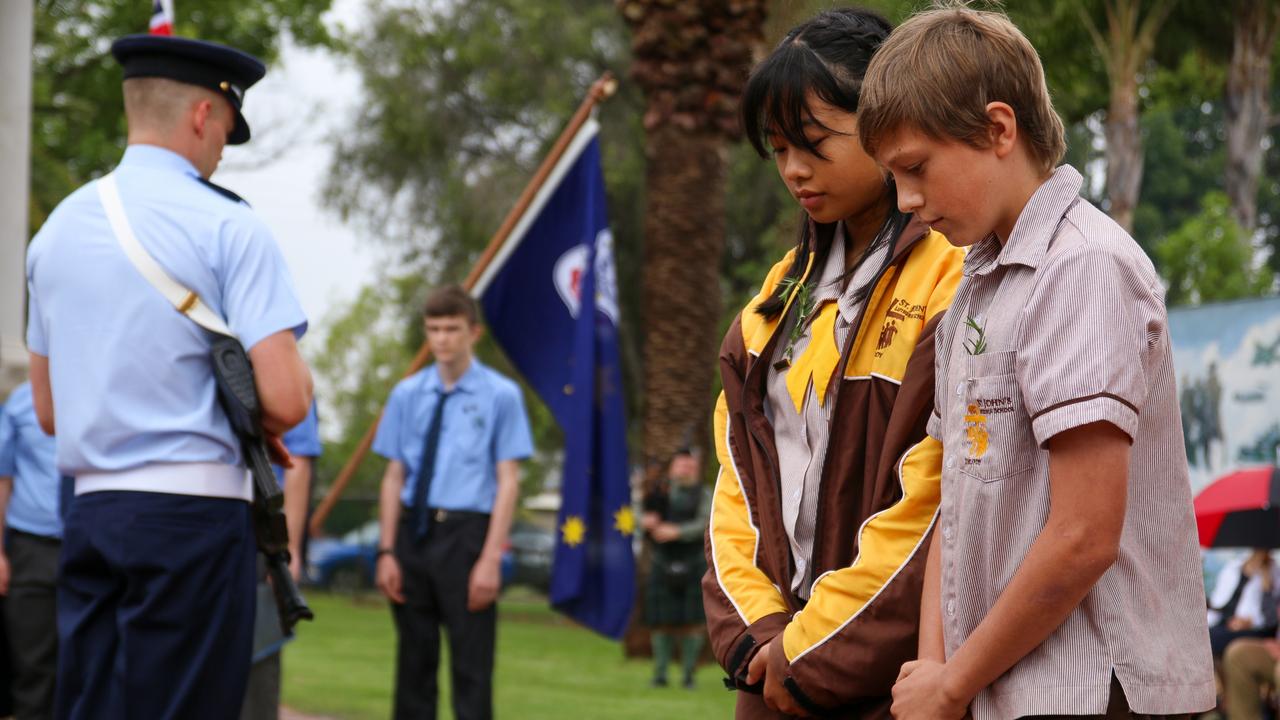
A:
x: 306, y: 97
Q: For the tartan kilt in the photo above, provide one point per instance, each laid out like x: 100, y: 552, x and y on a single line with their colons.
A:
x: 674, y: 600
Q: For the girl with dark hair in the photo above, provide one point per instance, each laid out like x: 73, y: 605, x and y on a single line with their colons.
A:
x: 829, y: 485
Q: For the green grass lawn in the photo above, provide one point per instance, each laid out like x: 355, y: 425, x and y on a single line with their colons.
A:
x: 341, y: 666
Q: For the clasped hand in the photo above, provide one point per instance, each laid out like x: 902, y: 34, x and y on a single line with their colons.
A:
x: 776, y: 695
x: 918, y: 694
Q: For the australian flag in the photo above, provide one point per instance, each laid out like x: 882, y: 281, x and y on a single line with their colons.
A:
x: 550, y: 298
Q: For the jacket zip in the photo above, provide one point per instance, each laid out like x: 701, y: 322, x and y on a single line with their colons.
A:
x: 840, y: 368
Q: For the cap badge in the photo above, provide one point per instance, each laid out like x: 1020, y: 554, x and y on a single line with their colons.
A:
x: 233, y: 89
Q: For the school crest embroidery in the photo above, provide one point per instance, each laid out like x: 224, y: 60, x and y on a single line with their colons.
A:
x: 900, y: 313
x: 886, y: 335
x: 975, y: 432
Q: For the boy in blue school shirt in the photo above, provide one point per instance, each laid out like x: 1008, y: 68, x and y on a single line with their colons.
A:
x: 454, y: 434
x: 32, y: 537
x: 262, y: 699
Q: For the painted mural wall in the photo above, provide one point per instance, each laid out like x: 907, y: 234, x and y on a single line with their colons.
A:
x: 1227, y: 357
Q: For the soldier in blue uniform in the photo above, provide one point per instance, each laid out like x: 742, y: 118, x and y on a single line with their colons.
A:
x: 262, y: 700
x: 155, y: 592
x: 32, y: 525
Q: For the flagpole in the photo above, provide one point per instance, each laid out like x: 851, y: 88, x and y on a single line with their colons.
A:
x: 600, y: 90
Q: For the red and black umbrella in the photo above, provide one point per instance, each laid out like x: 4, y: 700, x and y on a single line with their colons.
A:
x: 1241, y: 510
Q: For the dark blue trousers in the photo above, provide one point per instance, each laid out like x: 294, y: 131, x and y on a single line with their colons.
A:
x: 155, y: 607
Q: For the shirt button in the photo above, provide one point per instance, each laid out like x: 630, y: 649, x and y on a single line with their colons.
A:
x: 946, y: 532
x: 951, y: 462
x: 960, y: 389
x: 951, y: 607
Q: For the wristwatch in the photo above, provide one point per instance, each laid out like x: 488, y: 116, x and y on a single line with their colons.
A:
x: 383, y: 551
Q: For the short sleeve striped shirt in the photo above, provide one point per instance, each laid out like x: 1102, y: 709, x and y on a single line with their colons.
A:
x: 1074, y: 332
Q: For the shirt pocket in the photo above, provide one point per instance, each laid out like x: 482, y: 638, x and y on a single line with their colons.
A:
x: 996, y: 438
x: 473, y: 436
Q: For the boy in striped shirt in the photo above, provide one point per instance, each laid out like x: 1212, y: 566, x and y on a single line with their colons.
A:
x: 1064, y: 578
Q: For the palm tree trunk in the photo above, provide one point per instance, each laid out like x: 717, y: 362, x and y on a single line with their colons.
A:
x: 691, y: 58
x: 684, y: 240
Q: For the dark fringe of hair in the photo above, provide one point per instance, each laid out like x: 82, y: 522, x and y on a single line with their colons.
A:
x: 827, y: 57
x: 452, y: 301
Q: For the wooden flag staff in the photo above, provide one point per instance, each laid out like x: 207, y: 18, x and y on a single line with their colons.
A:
x: 601, y: 90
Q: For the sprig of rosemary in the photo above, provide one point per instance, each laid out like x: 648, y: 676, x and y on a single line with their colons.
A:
x: 978, y: 345
x: 800, y: 293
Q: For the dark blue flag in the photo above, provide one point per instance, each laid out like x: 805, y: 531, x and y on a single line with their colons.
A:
x: 550, y: 298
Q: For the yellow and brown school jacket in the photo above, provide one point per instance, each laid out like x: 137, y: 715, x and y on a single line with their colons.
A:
x: 879, y: 496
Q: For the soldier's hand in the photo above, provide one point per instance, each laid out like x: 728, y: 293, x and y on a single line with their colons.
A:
x: 484, y: 584
x: 295, y: 566
x: 389, y: 579
x: 4, y: 574
x: 278, y: 452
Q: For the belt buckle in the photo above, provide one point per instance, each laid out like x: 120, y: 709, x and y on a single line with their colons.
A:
x: 441, y: 515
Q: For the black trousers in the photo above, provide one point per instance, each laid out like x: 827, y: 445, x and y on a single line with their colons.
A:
x: 155, y: 607
x: 31, y: 617
x: 435, y: 574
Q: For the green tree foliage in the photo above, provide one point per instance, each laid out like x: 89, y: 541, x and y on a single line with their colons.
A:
x: 78, y: 125
x: 1210, y: 258
x: 360, y: 375
x: 1183, y: 127
x: 1181, y: 90
x: 463, y: 101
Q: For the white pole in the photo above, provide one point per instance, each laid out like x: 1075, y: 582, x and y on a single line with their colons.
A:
x: 16, y: 31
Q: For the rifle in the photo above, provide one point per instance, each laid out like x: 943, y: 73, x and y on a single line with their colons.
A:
x: 239, y: 398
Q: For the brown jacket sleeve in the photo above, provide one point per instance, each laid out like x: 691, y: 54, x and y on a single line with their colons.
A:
x: 744, y: 609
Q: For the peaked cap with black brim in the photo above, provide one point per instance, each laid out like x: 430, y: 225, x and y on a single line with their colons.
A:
x: 223, y: 69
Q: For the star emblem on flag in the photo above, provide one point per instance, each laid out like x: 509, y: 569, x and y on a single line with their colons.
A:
x: 573, y: 531
x: 624, y: 521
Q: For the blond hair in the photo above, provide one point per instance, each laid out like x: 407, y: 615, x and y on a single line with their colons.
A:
x: 938, y: 71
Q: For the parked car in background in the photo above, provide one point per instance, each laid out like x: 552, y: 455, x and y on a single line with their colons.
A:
x: 346, y: 563
x: 349, y: 563
x: 527, y: 561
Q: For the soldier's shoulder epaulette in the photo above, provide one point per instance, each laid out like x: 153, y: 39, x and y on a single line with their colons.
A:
x: 223, y: 191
